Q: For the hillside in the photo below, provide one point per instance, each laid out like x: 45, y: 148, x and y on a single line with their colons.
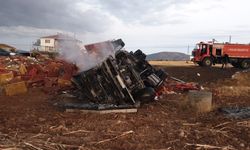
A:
x: 168, y: 56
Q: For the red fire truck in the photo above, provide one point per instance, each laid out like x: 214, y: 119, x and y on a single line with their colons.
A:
x: 210, y: 53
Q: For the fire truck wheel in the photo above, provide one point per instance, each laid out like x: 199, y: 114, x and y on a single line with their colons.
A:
x: 245, y: 64
x: 207, y: 62
x: 235, y: 64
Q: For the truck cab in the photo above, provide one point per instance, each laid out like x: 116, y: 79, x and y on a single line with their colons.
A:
x: 202, y: 54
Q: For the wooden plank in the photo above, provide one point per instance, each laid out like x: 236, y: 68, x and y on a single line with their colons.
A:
x: 130, y: 110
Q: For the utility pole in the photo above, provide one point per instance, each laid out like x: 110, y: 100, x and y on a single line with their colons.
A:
x: 230, y: 39
x: 188, y: 50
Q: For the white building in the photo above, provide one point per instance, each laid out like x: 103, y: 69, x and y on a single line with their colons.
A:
x: 53, y: 43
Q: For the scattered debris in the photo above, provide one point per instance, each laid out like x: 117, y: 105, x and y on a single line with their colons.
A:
x: 174, y: 86
x: 96, y: 106
x: 205, y: 146
x: 118, y: 110
x: 34, y: 72
x: 116, y: 137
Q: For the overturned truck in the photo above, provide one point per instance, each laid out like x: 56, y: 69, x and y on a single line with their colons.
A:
x: 122, y: 78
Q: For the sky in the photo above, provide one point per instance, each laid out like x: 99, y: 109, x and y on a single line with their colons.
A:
x: 152, y: 26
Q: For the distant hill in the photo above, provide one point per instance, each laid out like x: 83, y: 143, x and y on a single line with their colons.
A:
x: 168, y: 56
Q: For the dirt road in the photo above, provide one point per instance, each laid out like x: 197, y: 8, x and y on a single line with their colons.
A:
x: 30, y: 121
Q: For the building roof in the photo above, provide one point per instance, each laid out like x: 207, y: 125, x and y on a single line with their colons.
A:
x: 51, y: 36
x: 6, y: 46
x: 60, y: 37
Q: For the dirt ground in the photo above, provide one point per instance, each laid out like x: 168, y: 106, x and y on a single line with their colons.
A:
x: 31, y: 121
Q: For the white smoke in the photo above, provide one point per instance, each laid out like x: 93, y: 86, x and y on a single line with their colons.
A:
x: 74, y: 52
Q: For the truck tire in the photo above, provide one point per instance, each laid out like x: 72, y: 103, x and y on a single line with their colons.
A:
x: 245, y: 64
x: 207, y: 62
x: 236, y: 64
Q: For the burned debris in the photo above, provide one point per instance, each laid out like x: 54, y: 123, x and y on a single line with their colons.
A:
x: 125, y: 78
x: 236, y: 112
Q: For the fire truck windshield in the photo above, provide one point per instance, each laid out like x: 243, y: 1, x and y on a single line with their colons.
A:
x: 197, y: 46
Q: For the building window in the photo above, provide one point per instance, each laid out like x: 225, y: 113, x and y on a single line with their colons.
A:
x: 47, y: 41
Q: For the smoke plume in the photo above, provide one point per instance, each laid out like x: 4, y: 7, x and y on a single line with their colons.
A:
x: 73, y: 51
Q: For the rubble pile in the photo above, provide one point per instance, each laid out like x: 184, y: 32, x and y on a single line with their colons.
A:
x: 19, y: 72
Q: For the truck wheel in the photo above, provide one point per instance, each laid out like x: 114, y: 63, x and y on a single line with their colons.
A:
x: 207, y: 62
x: 236, y: 64
x: 245, y: 64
